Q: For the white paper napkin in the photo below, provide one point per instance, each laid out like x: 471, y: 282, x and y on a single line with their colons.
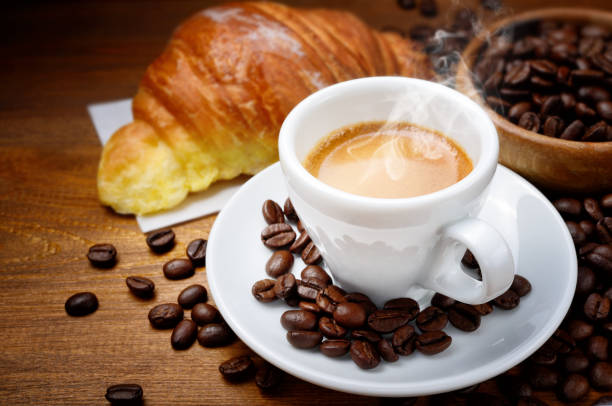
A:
x: 107, y: 118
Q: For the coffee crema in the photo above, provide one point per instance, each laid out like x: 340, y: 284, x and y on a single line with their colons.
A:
x: 388, y: 160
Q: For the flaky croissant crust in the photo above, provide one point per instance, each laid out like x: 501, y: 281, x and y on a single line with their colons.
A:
x: 211, y: 105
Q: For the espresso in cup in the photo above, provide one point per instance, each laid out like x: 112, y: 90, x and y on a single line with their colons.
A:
x: 388, y: 160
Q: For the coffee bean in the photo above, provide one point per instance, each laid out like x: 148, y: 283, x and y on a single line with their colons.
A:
x: 315, y: 271
x: 601, y: 258
x: 604, y: 108
x: 310, y: 254
x: 568, y: 207
x: 597, y: 348
x: 309, y: 289
x: 192, y: 295
x: 298, y: 320
x: 483, y: 309
x: 184, y: 334
x: 596, y: 132
x: 600, y: 376
x: 331, y: 329
x: 263, y: 290
x: 592, y: 208
x: 300, y: 226
x: 329, y: 298
x: 568, y: 100
x: 237, y: 368
x: 386, y: 351
x: 279, y: 263
x: 215, y: 335
x: 140, y: 286
x: 102, y: 255
x: 575, y: 361
x: 405, y: 304
x: 604, y: 230
x: 508, y: 300
x: 278, y: 235
x: 576, y: 232
x: 584, y: 112
x: 512, y: 95
x: 596, y: 307
x: 529, y: 121
x: 433, y: 342
x: 544, y: 356
x: 586, y: 281
x: 350, y: 315
x: 520, y: 285
x: 364, y: 354
x: 553, y: 126
x: 563, y: 76
x: 335, y: 348
x: 367, y: 335
x: 544, y: 68
x: 404, y: 340
x: 573, y: 131
x: 517, y: 110
x: 300, y: 243
x: 428, y: 8
x: 574, y: 387
x: 431, y: 319
x: 551, y: 106
x: 560, y: 342
x: 309, y: 306
x: 196, y: 252
x: 165, y: 316
x: 588, y: 227
x: 203, y: 313
x: 518, y: 75
x: 124, y: 394
x: 268, y: 377
x: 161, y: 241
x: 442, y: 302
x: 290, y: 211
x: 81, y: 304
x: 178, y: 268
x: 285, y: 286
x: 272, y: 212
x: 363, y: 300
x: 388, y: 320
x: 543, y: 378
x: 579, y: 330
x: 304, y: 339
x: 464, y: 317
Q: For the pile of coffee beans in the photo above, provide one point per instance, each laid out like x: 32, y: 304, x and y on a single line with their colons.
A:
x: 551, y: 77
x: 341, y: 323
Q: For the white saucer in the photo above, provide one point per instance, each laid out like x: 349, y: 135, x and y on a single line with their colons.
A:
x: 542, y: 248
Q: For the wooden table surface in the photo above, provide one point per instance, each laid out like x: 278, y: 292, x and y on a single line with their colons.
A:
x: 59, y: 57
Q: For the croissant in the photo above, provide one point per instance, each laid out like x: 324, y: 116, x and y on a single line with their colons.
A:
x: 210, y: 107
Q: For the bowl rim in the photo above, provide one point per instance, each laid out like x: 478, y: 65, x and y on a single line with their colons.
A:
x: 465, y: 83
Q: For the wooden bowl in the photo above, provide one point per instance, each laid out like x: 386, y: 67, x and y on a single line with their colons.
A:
x: 551, y: 163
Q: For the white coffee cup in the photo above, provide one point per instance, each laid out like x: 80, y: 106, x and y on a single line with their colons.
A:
x: 389, y: 248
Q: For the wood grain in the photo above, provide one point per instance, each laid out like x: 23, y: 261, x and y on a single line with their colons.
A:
x: 58, y: 57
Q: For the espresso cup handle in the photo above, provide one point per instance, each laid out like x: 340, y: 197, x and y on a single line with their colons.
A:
x: 492, y: 253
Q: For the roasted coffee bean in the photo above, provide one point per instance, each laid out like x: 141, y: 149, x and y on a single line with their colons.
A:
x: 584, y: 112
x: 300, y: 243
x: 520, y: 285
x: 184, y: 334
x: 335, y: 348
x: 272, y: 212
x: 581, y: 76
x: 604, y: 230
x: 165, y: 316
x: 237, y: 368
x: 606, y: 201
x: 592, y: 208
x: 428, y: 8
x: 433, y: 342
x: 600, y: 376
x: 508, y: 300
x: 81, y: 304
x: 298, y: 320
x: 544, y: 356
x: 538, y: 99
x: 544, y: 68
x: 102, y: 255
x: 442, y: 302
x: 178, y: 268
x: 315, y: 271
x: 588, y: 227
x: 568, y: 207
x: 404, y: 340
x: 563, y: 52
x: 552, y: 106
x: 304, y: 339
x: 386, y: 351
x: 579, y: 330
x: 575, y: 361
x: 330, y: 328
x: 310, y: 254
x: 543, y: 378
x: 289, y: 211
x: 512, y: 95
x: 563, y: 76
x: 367, y: 335
x: 573, y: 131
x: 140, y: 286
x: 192, y: 295
x: 601, y: 258
x: 586, y: 281
x: 124, y: 394
x: 309, y: 289
x: 215, y: 335
x: 529, y: 121
x: 553, y: 126
x: 196, y: 252
x: 363, y: 300
x: 513, y: 386
x: 596, y: 307
x: 517, y: 110
x: 279, y: 263
x: 268, y: 377
x: 560, y: 342
x: 542, y: 84
x: 483, y: 309
x: 431, y: 319
x: 597, y: 348
x: 410, y: 306
x: 300, y: 226
x: 604, y: 108
x: 576, y: 232
x: 568, y: 100
x: 596, y: 132
x: 203, y: 313
x: 278, y: 235
x: 574, y: 387
x: 518, y: 75
x: 464, y: 317
x: 309, y: 306
x: 285, y: 286
x: 350, y: 315
x: 593, y: 94
x: 364, y: 354
x: 161, y: 241
x: 329, y: 298
x: 263, y: 290
x: 388, y: 320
